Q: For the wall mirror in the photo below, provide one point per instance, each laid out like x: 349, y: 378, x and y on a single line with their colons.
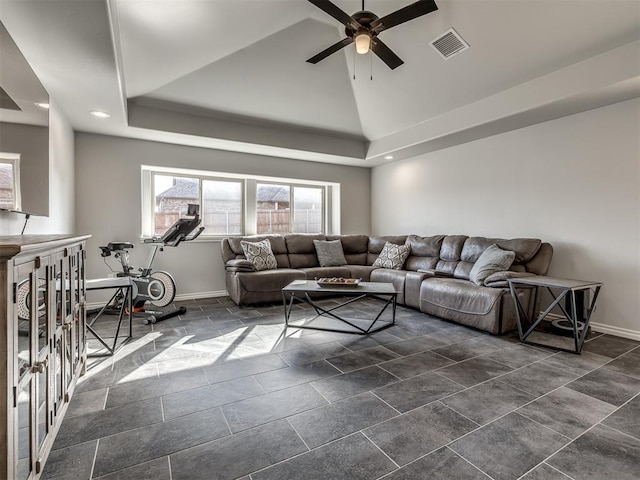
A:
x: 24, y: 133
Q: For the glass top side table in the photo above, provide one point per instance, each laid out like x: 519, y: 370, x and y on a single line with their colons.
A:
x: 559, y: 289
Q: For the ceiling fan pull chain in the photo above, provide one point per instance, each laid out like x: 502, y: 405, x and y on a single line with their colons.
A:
x: 371, y: 63
x: 354, y: 64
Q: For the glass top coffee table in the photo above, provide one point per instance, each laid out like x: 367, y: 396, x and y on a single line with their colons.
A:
x: 329, y: 317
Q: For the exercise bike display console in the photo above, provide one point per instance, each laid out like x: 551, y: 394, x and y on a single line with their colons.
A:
x: 157, y: 288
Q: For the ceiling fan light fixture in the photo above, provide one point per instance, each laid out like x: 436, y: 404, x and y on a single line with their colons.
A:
x: 363, y: 43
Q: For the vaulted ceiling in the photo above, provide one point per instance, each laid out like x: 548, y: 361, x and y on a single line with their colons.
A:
x: 231, y: 74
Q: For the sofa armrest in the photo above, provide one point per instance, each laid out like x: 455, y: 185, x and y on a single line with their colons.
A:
x: 239, y: 265
x: 499, y: 279
x: 430, y: 272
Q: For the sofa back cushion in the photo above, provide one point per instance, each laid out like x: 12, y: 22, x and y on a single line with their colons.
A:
x: 354, y: 247
x: 232, y: 248
x: 376, y: 244
x: 302, y: 251
x: 450, y: 253
x: 425, y: 252
x: 524, y: 248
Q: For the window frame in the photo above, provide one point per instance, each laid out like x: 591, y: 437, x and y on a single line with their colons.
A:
x: 13, y: 159
x: 292, y: 187
x: 330, y: 198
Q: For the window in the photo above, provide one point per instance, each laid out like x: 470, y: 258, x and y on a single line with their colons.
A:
x: 234, y: 204
x: 289, y: 209
x: 10, y: 198
x: 220, y: 202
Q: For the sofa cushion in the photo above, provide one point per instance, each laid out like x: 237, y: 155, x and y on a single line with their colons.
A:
x: 395, y: 277
x: 524, y: 248
x: 392, y: 256
x: 354, y: 248
x: 425, y: 252
x: 459, y: 295
x: 269, y: 280
x: 330, y: 253
x: 492, y: 260
x: 302, y: 252
x: 361, y: 271
x: 260, y: 254
x: 321, y: 272
x: 278, y: 247
x: 376, y: 244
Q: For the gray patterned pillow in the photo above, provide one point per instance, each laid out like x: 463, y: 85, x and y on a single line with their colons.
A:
x: 260, y: 254
x: 492, y: 260
x: 392, y: 256
x: 330, y: 253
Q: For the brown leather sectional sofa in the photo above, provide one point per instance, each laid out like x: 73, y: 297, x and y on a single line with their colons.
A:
x: 455, y: 298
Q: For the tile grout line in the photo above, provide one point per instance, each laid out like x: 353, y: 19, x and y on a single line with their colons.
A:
x: 557, y: 470
x: 620, y: 432
x: 170, y: 469
x: 381, y: 451
x: 459, y: 413
x: 588, y: 430
x: 299, y: 436
x: 95, y: 457
x: 385, y: 402
x: 469, y: 462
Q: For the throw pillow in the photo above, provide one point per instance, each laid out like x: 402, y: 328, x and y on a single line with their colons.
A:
x: 260, y: 254
x: 392, y: 256
x: 330, y: 253
x: 492, y: 260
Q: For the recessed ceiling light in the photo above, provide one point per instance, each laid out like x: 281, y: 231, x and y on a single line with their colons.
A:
x: 41, y: 104
x: 388, y: 157
x: 99, y: 114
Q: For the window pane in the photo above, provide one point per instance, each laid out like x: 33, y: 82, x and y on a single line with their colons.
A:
x: 7, y: 186
x: 274, y: 208
x: 222, y: 213
x: 307, y: 210
x: 172, y: 196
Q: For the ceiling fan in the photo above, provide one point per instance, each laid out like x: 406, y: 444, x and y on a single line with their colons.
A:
x: 363, y: 28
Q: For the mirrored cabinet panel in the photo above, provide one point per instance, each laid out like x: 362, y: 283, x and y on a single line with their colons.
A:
x: 44, y: 317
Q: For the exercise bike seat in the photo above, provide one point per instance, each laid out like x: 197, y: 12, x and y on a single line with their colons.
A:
x: 113, y: 246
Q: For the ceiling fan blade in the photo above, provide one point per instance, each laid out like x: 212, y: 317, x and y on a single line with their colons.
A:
x: 415, y: 10
x: 344, y: 18
x: 385, y: 53
x: 332, y: 49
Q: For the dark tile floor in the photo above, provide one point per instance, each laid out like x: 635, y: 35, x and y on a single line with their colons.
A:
x: 224, y: 392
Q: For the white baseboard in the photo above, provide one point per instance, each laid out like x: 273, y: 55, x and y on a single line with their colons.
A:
x: 602, y: 328
x: 617, y: 331
x: 199, y: 295
x: 180, y: 297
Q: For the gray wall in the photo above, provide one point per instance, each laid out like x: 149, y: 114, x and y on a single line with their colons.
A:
x: 60, y: 186
x: 574, y: 182
x: 108, y: 194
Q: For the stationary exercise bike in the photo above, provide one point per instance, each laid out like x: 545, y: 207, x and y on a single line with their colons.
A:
x: 157, y: 288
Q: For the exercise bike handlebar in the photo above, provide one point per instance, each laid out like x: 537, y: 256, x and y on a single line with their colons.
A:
x: 175, y: 240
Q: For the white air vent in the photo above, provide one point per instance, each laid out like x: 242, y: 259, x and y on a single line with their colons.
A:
x: 449, y: 44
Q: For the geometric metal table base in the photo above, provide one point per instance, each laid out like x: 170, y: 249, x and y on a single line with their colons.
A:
x: 559, y: 289
x: 123, y: 287
x: 325, y: 317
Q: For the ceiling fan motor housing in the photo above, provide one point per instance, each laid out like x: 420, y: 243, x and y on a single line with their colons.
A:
x: 364, y: 18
